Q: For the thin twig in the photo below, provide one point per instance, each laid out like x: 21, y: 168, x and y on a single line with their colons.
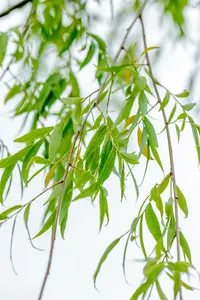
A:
x: 11, y: 245
x: 53, y: 238
x: 170, y: 149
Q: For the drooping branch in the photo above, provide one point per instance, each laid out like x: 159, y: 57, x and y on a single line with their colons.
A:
x: 53, y: 237
x: 170, y: 149
x: 18, y: 5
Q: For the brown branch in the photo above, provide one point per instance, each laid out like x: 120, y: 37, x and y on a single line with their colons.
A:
x: 170, y: 149
x: 53, y: 238
x: 18, y: 5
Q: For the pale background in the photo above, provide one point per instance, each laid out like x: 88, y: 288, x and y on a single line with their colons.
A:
x: 76, y: 258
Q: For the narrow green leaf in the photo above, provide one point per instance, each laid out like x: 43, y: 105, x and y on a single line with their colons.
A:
x: 151, y: 132
x: 152, y: 270
x: 71, y: 100
x: 3, y: 43
x: 165, y: 101
x: 34, y: 134
x: 140, y: 84
x: 155, y: 195
x: 48, y: 224
x: 16, y: 89
x: 11, y: 160
x: 196, y: 136
x: 157, y: 157
x: 171, y: 232
x: 100, y: 42
x: 4, y: 215
x: 103, y: 207
x: 141, y: 237
x: 160, y: 291
x: 4, y: 179
x: 88, y: 192
x: 153, y: 223
x: 26, y: 213
x: 185, y: 247
x: 182, y: 202
x: 89, y: 55
x: 66, y: 201
x: 142, y: 103
x: 188, y: 106
x: 143, y: 288
x: 178, y: 132
x: 125, y: 111
x: 130, y: 158
x: 55, y: 140
x: 107, y: 162
x: 172, y: 114
x: 164, y: 184
x: 96, y: 141
x: 104, y: 257
x: 184, y: 94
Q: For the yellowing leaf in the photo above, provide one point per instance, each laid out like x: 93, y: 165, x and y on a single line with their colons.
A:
x: 129, y: 121
x: 49, y: 175
x: 145, y: 151
x: 149, y: 49
x: 127, y: 75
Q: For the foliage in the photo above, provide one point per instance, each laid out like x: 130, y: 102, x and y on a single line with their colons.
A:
x: 79, y: 153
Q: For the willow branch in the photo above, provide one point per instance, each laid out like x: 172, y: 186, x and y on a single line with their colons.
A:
x: 53, y: 238
x: 170, y: 150
x: 18, y: 5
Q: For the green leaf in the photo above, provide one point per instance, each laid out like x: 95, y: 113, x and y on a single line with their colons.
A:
x: 169, y: 208
x: 155, y: 195
x: 179, y: 266
x: 157, y: 157
x: 88, y: 192
x: 165, y: 101
x: 71, y: 100
x: 153, y: 270
x: 140, y: 84
x: 96, y: 141
x: 40, y: 160
x: 151, y: 132
x: 66, y: 201
x: 107, y: 162
x: 196, y: 136
x: 182, y: 202
x: 34, y: 134
x: 89, y: 55
x: 113, y: 69
x: 26, y: 213
x: 11, y: 160
x: 97, y: 122
x: 130, y: 158
x: 171, y: 232
x: 4, y: 178
x: 141, y: 237
x: 153, y: 223
x: 16, y: 89
x: 4, y: 215
x: 178, y: 132
x: 55, y: 140
x: 3, y: 46
x: 164, y: 184
x: 47, y: 225
x: 160, y: 291
x: 103, y: 207
x: 188, y: 106
x: 143, y: 103
x: 100, y: 42
x: 125, y: 111
x: 141, y: 290
x: 185, y: 247
x: 121, y: 176
x: 104, y: 257
x: 184, y: 94
x: 26, y: 165
x: 172, y: 114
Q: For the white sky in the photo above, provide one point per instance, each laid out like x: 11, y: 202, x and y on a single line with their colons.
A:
x: 76, y: 258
